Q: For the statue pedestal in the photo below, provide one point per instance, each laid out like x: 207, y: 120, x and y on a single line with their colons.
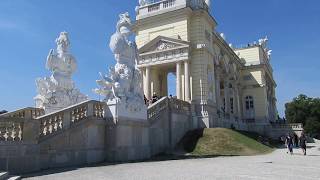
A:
x: 127, y: 137
x: 118, y: 110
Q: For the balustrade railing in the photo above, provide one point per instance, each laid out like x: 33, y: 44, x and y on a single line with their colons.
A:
x: 153, y: 7
x: 293, y: 126
x: 11, y: 131
x: 156, y: 108
x: 65, y: 118
x: 159, y: 5
x: 168, y: 3
x: 79, y: 113
x: 51, y: 124
x: 164, y: 103
x: 180, y: 106
x: 26, y: 113
x: 98, y: 110
x: 12, y: 124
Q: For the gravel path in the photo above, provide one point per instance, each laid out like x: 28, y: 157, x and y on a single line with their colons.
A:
x: 278, y: 165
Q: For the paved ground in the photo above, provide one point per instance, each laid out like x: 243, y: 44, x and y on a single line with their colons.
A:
x: 277, y: 165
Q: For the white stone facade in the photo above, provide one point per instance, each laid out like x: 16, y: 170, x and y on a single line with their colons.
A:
x: 179, y: 36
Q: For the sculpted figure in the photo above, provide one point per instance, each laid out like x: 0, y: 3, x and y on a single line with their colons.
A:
x: 263, y: 43
x: 58, y: 91
x: 124, y: 81
x: 142, y: 2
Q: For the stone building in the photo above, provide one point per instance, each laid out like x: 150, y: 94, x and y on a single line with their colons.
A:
x: 216, y: 86
x: 226, y: 86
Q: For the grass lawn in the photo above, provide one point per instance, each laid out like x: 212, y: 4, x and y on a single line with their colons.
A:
x: 223, y: 142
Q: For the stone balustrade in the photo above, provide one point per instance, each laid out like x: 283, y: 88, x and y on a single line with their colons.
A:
x: 25, y: 113
x: 167, y: 5
x: 159, y: 6
x: 11, y: 130
x: 65, y: 118
x: 14, y: 126
x: 180, y: 106
x: 173, y: 104
x: 156, y: 108
x: 293, y: 126
x: 50, y: 124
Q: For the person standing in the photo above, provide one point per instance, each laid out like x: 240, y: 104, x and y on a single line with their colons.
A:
x: 154, y: 98
x: 303, y: 143
x: 289, y: 144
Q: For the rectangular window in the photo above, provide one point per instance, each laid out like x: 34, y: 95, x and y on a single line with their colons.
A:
x: 231, y: 105
x: 247, y: 105
x: 251, y: 105
x: 224, y: 104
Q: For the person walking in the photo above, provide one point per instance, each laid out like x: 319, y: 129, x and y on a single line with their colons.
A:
x: 289, y: 143
x: 303, y: 143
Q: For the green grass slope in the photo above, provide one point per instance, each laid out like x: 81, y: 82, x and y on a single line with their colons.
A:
x: 222, y: 142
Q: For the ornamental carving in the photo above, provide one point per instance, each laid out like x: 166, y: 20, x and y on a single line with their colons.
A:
x: 58, y: 91
x: 124, y: 81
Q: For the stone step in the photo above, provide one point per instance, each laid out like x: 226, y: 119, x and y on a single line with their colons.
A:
x: 4, y: 175
x: 14, y: 178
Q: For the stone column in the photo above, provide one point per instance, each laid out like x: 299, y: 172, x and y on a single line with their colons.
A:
x: 148, y: 82
x: 187, y: 80
x: 178, y: 74
x: 239, y: 102
x: 227, y: 96
x: 217, y: 86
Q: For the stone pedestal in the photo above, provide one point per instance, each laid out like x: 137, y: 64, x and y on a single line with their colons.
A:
x: 127, y: 141
x: 119, y: 111
x: 127, y: 134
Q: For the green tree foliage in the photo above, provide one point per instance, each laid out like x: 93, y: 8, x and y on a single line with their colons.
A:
x: 305, y: 110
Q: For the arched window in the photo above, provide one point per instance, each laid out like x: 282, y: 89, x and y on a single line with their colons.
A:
x: 249, y: 108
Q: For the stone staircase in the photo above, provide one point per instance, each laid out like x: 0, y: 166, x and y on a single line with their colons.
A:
x: 84, y: 134
x: 30, y: 141
x: 7, y: 176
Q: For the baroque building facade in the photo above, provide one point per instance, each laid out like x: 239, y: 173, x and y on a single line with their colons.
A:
x: 227, y: 87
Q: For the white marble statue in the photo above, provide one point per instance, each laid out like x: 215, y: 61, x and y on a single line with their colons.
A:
x: 58, y: 91
x: 208, y: 2
x: 123, y: 84
x: 142, y: 2
x: 263, y: 43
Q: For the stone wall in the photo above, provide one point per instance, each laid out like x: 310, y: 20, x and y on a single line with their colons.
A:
x: 81, y: 144
x: 127, y: 140
x: 170, y: 125
x: 82, y: 135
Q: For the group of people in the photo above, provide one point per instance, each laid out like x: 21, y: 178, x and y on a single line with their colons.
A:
x: 154, y: 99
x: 294, y: 140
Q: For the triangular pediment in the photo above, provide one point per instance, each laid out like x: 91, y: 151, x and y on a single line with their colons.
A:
x: 162, y: 43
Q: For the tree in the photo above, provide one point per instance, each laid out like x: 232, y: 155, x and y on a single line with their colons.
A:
x: 304, y: 110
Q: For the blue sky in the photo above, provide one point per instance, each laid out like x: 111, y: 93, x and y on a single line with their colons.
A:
x: 28, y: 29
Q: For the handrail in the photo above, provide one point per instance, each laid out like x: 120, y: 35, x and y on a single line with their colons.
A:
x: 176, y: 105
x: 25, y: 113
x: 70, y: 116
x: 294, y: 126
x: 157, y: 107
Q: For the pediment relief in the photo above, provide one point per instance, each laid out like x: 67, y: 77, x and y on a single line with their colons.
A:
x: 163, y: 44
